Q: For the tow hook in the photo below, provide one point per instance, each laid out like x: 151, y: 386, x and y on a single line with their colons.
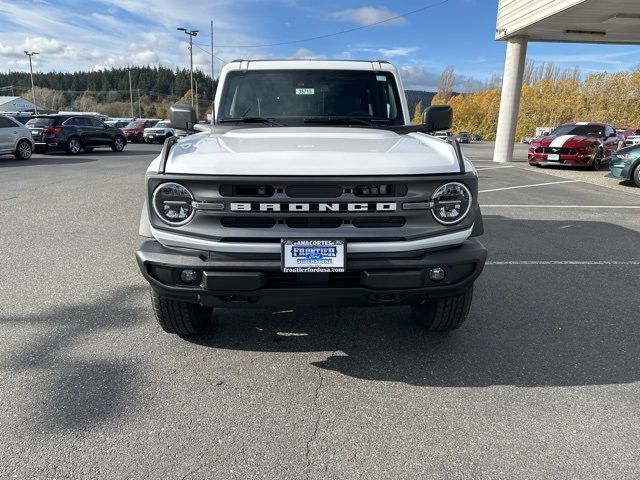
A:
x: 385, y: 298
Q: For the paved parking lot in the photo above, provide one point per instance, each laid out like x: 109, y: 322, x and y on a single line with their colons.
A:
x: 541, y: 382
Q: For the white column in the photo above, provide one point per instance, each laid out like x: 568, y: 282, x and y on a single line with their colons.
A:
x: 510, y: 99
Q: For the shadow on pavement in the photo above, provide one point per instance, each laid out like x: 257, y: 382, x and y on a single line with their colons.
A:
x: 69, y: 390
x: 530, y: 325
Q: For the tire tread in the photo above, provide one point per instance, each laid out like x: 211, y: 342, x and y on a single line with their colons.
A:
x: 181, y: 318
x: 444, y: 314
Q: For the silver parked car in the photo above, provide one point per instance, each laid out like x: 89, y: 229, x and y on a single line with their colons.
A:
x: 15, y: 138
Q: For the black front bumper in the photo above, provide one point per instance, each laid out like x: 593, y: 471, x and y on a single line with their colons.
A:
x: 244, y: 280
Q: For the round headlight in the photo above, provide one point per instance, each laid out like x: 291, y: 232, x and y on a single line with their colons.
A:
x: 451, y: 203
x: 172, y: 203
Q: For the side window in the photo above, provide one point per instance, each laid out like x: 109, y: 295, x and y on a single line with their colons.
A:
x: 609, y: 130
x: 73, y: 121
x: 94, y: 122
x: 6, y: 123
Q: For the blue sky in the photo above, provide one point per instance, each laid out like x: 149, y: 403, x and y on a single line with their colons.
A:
x: 87, y: 35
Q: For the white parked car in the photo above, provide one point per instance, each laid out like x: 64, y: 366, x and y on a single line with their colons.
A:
x: 632, y: 140
x: 15, y: 138
x: 159, y: 132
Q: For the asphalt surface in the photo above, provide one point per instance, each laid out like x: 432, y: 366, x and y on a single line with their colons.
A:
x: 542, y: 381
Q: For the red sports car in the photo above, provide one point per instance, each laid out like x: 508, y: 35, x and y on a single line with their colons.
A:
x: 577, y: 144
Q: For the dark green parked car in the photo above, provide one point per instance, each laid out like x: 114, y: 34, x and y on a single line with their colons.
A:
x: 625, y: 164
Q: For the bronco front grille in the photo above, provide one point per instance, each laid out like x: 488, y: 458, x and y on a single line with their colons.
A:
x: 361, y: 209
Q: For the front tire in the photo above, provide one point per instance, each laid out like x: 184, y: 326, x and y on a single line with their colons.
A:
x: 180, y: 318
x: 23, y: 150
x: 73, y: 146
x: 597, y: 160
x: 443, y: 314
x: 636, y: 175
x: 139, y: 138
x: 118, y: 144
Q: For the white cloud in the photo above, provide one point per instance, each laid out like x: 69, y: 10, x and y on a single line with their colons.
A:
x: 419, y: 78
x: 368, y: 16
x: 306, y: 54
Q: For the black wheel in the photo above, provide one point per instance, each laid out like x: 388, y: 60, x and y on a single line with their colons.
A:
x: 118, y: 144
x: 181, y: 318
x: 597, y: 160
x: 443, y: 314
x: 636, y: 175
x: 73, y: 146
x: 88, y: 149
x: 23, y: 150
x: 139, y: 138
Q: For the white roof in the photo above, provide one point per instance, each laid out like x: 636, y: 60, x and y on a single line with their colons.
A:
x: 15, y: 104
x: 309, y: 65
x: 580, y: 21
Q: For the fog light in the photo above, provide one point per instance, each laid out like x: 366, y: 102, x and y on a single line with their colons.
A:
x: 188, y: 275
x: 436, y: 274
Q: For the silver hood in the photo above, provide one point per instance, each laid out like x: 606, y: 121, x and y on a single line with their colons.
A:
x: 304, y: 151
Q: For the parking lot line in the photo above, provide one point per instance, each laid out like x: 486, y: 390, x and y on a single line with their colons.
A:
x: 495, y: 168
x: 564, y: 262
x: 529, y: 186
x: 618, y: 207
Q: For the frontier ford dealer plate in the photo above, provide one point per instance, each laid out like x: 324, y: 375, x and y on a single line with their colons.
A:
x: 301, y: 256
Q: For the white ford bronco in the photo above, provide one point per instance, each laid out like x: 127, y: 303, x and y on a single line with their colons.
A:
x: 311, y: 188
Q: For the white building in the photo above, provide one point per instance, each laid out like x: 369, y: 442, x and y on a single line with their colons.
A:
x: 16, y: 104
x: 576, y: 21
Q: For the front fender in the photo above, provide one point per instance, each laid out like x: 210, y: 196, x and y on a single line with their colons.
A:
x: 145, y: 226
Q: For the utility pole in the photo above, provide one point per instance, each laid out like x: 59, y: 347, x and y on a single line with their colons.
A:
x: 213, y: 85
x: 130, y: 93
x: 33, y: 90
x: 191, y: 33
x: 197, y: 103
x: 139, y: 110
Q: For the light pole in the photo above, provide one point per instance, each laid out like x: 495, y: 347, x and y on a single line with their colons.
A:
x: 33, y: 90
x: 191, y: 33
x: 131, y: 94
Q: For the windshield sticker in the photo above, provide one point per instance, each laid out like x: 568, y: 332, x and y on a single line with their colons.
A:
x: 305, y: 91
x: 381, y: 78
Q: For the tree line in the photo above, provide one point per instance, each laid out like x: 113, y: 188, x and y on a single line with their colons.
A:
x: 550, y: 96
x: 154, y: 89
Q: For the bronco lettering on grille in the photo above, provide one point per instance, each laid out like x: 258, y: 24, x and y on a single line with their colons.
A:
x: 313, y: 207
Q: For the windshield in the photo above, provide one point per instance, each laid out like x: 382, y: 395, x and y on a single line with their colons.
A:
x: 164, y: 124
x: 584, y: 130
x: 135, y: 125
x: 40, y: 122
x: 290, y: 96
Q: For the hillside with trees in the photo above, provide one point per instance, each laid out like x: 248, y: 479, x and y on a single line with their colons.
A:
x: 154, y: 89
x: 552, y: 96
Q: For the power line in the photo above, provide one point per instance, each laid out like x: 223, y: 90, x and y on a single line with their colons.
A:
x: 342, y: 32
x: 197, y: 45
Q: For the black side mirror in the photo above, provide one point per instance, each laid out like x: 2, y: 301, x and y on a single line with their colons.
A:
x: 183, y: 117
x: 438, y: 117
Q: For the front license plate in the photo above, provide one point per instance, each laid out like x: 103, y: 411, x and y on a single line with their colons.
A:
x: 318, y: 256
x: 553, y: 157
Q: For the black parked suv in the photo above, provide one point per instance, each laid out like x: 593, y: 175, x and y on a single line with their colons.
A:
x: 73, y: 133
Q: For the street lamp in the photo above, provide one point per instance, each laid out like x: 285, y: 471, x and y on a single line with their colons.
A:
x: 191, y: 33
x: 33, y: 90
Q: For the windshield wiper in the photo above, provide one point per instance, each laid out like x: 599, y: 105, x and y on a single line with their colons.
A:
x: 264, y: 120
x: 338, y: 120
